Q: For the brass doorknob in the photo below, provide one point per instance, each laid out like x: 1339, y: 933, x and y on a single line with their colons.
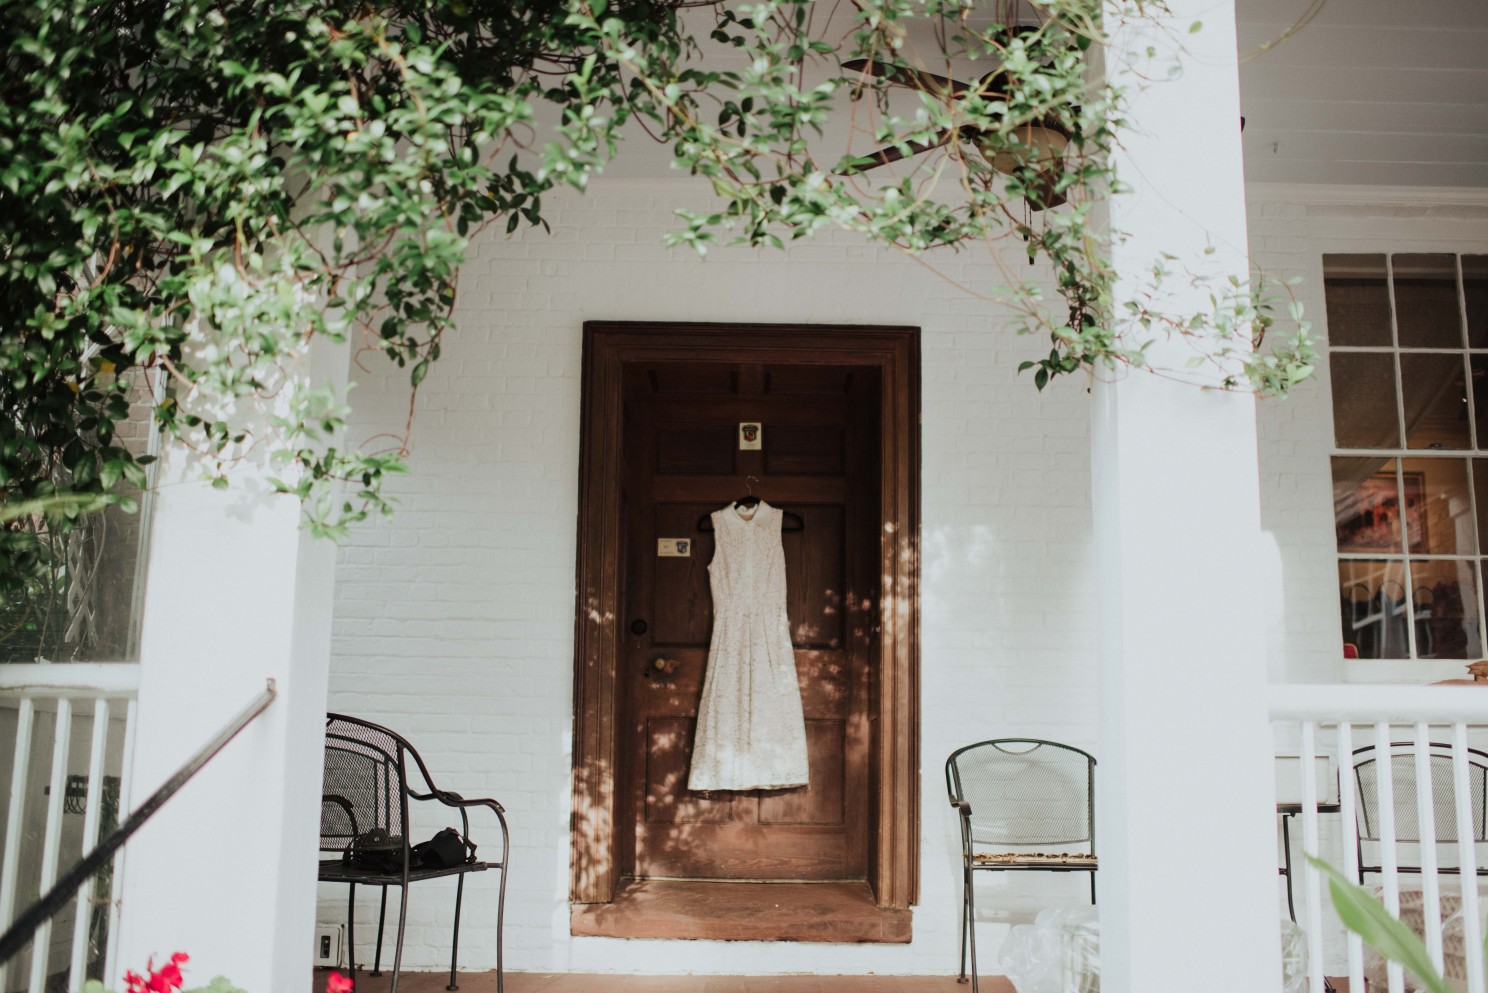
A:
x: 660, y: 666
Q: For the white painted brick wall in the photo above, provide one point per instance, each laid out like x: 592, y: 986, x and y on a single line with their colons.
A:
x: 454, y: 618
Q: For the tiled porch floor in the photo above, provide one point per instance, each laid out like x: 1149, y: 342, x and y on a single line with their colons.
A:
x: 572, y: 982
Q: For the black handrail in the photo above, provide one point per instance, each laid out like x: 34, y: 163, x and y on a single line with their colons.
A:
x: 19, y: 933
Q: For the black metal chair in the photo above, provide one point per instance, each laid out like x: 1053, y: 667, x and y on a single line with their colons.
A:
x: 1027, y: 793
x: 366, y: 788
x: 1443, y: 801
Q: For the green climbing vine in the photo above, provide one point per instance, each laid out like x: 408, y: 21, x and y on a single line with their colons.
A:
x: 192, y: 192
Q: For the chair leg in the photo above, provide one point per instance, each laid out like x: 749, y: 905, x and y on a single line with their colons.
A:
x: 351, y: 934
x: 965, y: 919
x: 398, y: 952
x: 455, y: 945
x: 971, y: 927
x: 1092, y: 888
x: 500, y: 925
x: 381, y: 920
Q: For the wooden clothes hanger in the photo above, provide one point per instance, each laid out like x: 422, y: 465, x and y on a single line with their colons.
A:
x: 791, y: 521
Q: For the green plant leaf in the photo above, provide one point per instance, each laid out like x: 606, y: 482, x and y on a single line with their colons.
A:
x: 1362, y: 914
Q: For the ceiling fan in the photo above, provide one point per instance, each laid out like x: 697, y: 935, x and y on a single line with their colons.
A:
x: 1040, y: 143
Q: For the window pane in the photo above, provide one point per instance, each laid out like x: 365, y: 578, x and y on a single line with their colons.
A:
x: 1364, y: 400
x: 1475, y: 290
x: 1358, y: 300
x: 1480, y: 490
x: 1435, y: 392
x: 1372, y: 608
x: 1478, y: 370
x: 1438, y: 515
x: 1366, y: 505
x: 1445, y: 609
x: 1426, y: 312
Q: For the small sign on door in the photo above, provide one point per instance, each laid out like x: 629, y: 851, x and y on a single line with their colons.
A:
x: 674, y: 548
x: 751, y: 436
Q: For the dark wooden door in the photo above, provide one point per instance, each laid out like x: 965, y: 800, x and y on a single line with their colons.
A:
x: 819, y: 459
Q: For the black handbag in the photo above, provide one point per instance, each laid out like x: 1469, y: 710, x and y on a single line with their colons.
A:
x: 443, y: 851
x: 376, y: 850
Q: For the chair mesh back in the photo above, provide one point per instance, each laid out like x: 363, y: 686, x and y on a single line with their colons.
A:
x: 1025, y: 792
x: 1443, y: 796
x: 361, y: 788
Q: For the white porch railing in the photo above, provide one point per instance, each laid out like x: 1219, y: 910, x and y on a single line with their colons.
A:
x: 35, y: 841
x: 1324, y: 727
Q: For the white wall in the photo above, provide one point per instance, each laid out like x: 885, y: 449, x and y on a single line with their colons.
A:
x: 454, y: 618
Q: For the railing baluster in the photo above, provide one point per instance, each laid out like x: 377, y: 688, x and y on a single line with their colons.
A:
x: 111, y: 975
x: 1384, y: 783
x: 1426, y: 838
x: 51, y: 847
x: 1348, y: 814
x: 1312, y: 888
x: 92, y: 819
x: 1402, y: 719
x: 10, y: 861
x: 69, y: 686
x: 1467, y: 858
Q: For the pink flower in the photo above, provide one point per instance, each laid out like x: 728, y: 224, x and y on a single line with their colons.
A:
x: 167, y: 978
x: 163, y: 980
x: 337, y: 983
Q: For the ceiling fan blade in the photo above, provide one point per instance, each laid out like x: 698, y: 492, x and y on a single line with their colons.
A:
x: 917, y: 79
x: 893, y: 153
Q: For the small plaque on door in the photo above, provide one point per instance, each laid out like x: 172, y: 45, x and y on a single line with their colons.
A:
x: 674, y: 548
x: 751, y: 436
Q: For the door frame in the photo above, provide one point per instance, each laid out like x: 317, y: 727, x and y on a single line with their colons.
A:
x: 894, y: 766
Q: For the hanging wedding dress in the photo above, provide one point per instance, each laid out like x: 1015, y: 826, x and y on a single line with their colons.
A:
x: 750, y: 732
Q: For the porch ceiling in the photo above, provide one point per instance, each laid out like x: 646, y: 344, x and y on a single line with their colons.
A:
x: 1370, y: 92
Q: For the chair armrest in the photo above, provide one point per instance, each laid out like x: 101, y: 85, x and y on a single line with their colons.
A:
x: 344, y: 804
x: 452, y: 799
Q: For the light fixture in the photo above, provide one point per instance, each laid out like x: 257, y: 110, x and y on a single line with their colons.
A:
x: 1041, y: 145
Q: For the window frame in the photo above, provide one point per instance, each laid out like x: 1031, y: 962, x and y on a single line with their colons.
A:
x: 1415, y: 666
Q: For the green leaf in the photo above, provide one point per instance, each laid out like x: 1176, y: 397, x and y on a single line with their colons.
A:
x: 1362, y: 914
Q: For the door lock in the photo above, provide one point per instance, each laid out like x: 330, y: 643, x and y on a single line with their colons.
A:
x: 638, y: 626
x: 660, y: 668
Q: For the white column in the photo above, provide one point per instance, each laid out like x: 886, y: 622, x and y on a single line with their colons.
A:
x: 237, y: 593
x: 1186, y: 820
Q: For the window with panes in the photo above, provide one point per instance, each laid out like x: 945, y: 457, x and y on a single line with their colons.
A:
x: 1408, y: 353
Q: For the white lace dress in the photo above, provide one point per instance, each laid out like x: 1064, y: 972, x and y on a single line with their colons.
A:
x: 750, y: 732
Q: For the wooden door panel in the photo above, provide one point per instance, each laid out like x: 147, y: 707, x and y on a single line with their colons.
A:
x: 821, y: 801
x: 668, y: 758
x: 825, y: 678
x: 681, y: 609
x: 690, y: 449
x: 782, y: 491
x: 815, y: 575
x: 803, y: 380
x: 683, y: 462
x: 805, y: 449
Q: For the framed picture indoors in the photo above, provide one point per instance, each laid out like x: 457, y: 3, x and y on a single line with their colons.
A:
x: 1369, y: 518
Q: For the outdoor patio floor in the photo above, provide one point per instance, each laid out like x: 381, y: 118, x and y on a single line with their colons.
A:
x: 573, y: 982
x: 576, y: 982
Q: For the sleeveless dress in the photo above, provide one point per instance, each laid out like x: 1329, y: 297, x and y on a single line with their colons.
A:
x: 750, y: 731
